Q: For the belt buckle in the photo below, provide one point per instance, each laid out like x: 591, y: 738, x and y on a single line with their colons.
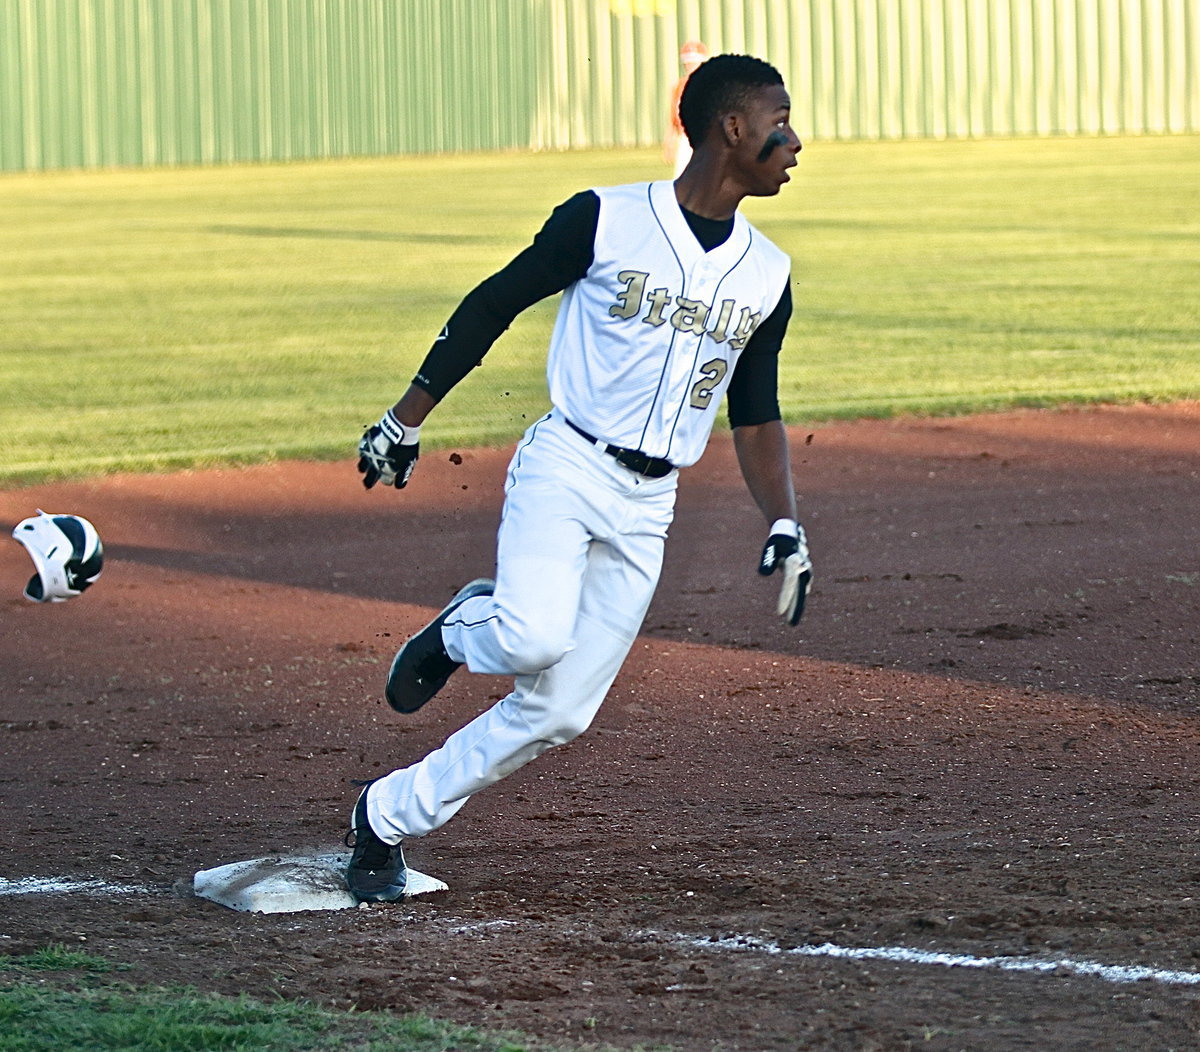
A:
x: 641, y: 464
x: 635, y: 461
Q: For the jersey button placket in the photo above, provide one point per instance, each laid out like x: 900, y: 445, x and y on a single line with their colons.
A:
x: 690, y: 350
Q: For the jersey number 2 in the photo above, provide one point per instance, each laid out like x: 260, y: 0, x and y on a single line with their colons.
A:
x: 711, y: 375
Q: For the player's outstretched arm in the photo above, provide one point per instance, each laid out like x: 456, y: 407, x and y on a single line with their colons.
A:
x: 765, y: 461
x: 388, y: 450
x: 560, y: 254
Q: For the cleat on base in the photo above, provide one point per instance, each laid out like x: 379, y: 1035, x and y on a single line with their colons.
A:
x: 376, y: 872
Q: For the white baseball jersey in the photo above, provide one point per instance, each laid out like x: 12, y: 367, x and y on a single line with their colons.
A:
x: 646, y: 342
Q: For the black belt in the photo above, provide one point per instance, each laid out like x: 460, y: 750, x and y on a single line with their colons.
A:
x: 636, y: 461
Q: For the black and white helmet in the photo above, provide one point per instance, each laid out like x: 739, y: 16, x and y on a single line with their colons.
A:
x: 67, y: 552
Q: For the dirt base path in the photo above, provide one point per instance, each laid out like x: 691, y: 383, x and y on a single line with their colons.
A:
x: 982, y: 741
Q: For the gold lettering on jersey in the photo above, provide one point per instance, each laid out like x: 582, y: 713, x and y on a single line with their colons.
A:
x: 629, y: 302
x: 658, y: 298
x: 690, y: 315
x: 721, y: 329
x: 746, y: 326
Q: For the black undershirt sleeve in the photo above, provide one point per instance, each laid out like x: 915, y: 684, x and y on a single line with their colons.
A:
x: 753, y: 396
x: 561, y: 253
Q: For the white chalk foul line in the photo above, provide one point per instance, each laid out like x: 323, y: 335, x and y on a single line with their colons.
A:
x: 1113, y: 973
x: 61, y: 886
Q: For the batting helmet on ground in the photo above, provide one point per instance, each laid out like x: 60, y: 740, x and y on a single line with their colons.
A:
x: 67, y: 552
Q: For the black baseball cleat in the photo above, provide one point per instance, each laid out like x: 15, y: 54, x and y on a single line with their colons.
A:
x: 421, y: 667
x: 376, y: 872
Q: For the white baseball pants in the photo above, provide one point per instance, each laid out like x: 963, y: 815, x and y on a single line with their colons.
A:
x: 579, y: 553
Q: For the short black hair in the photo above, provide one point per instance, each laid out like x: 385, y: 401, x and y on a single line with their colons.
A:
x: 719, y: 85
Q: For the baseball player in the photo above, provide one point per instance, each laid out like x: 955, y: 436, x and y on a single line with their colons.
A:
x: 672, y: 301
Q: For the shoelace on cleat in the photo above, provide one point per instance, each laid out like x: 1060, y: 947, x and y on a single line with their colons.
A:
x: 375, y: 854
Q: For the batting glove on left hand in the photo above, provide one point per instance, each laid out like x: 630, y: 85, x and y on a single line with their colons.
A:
x: 388, y: 452
x: 787, y: 549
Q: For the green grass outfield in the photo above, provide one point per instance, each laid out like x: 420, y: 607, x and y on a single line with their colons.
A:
x: 168, y: 318
x: 61, y: 1000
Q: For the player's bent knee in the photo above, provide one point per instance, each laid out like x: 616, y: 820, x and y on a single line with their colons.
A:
x: 565, y: 730
x: 531, y: 656
x: 552, y: 727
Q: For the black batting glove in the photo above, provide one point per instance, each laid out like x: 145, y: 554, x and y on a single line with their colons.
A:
x: 388, y: 452
x: 787, y: 550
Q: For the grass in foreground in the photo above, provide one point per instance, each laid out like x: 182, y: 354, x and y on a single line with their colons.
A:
x: 166, y: 318
x: 49, y: 1000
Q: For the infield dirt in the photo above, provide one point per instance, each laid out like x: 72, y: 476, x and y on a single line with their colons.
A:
x: 981, y: 740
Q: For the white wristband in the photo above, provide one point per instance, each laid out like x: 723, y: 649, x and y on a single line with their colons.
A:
x: 788, y: 527
x: 401, y: 434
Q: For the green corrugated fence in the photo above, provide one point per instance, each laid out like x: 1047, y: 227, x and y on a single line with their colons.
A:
x: 150, y: 82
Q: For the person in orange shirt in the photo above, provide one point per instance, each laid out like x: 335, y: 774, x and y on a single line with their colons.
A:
x: 677, y: 149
